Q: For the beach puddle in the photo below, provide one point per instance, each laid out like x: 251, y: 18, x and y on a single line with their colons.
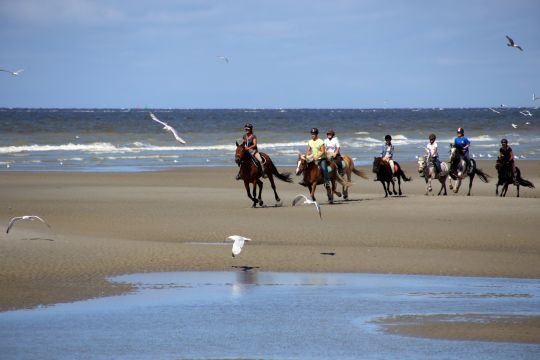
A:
x: 253, y: 314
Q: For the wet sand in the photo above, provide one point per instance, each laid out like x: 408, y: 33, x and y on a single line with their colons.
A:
x: 106, y: 224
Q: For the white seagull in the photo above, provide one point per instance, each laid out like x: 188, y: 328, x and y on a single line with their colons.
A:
x: 25, y: 217
x: 299, y: 197
x: 514, y: 126
x: 495, y: 111
x: 14, y: 73
x: 168, y: 128
x: 525, y: 113
x: 226, y: 59
x: 512, y: 44
x: 238, y: 243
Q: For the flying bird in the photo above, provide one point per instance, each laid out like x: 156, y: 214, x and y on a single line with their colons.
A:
x: 525, y: 113
x: 300, y: 197
x: 14, y: 73
x: 168, y: 128
x: 495, y: 111
x: 514, y: 126
x: 238, y: 243
x: 25, y: 217
x: 226, y: 59
x: 512, y: 44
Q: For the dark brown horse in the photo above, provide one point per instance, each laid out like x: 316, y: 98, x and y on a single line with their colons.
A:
x: 250, y: 173
x: 349, y: 169
x: 313, y: 177
x: 506, y: 178
x: 384, y: 174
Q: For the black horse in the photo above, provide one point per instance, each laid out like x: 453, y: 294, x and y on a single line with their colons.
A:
x: 459, y: 170
x: 384, y: 174
x: 506, y: 178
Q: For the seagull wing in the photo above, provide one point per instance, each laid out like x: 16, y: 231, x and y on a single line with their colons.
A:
x: 237, y: 237
x: 318, y: 209
x: 34, y: 217
x: 519, y: 47
x: 298, y: 198
x: 173, y: 130
x: 510, y: 41
x: 4, y: 70
x: 18, y: 72
x: 11, y: 222
x: 153, y: 117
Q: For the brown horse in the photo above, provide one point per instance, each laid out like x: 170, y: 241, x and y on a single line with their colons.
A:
x: 506, y: 178
x: 250, y: 173
x: 384, y: 175
x: 348, y: 169
x: 313, y: 177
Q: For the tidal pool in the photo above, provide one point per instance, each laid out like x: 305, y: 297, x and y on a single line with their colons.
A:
x: 251, y: 314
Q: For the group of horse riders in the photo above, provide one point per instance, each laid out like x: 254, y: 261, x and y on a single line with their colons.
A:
x: 328, y: 150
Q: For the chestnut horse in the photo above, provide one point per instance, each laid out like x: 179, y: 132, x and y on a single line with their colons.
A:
x: 250, y: 173
x: 313, y: 177
x: 348, y: 169
x: 384, y: 175
x: 506, y: 178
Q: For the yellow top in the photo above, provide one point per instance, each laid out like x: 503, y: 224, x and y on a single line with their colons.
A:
x: 316, y: 146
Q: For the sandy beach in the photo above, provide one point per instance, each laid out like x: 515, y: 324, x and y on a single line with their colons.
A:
x: 106, y: 224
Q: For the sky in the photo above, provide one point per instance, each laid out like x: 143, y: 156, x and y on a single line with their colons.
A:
x: 282, y: 54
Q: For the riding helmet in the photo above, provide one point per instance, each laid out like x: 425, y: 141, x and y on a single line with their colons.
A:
x: 387, y: 137
x: 314, y: 131
x: 504, y: 141
x: 461, y: 131
x: 330, y: 132
x: 432, y: 137
x: 248, y: 126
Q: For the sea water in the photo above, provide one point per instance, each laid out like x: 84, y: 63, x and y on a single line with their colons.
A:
x: 128, y: 140
x: 250, y: 314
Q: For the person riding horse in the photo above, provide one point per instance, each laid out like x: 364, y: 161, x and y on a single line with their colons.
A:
x: 387, y: 154
x: 433, y: 153
x: 507, y: 158
x: 331, y: 144
x: 462, y: 144
x: 317, y: 152
x: 249, y: 140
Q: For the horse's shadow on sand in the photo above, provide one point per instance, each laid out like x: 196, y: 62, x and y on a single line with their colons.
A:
x: 245, y: 267
x: 37, y: 239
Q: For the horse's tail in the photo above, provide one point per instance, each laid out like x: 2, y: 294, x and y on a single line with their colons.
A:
x: 524, y: 182
x: 483, y: 176
x: 402, y: 174
x: 286, y: 176
x: 359, y: 173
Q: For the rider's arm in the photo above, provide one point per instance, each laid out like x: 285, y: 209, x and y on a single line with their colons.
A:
x: 511, y: 156
x: 323, y: 151
x: 308, y: 151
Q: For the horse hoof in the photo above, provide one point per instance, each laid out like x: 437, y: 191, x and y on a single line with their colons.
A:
x: 261, y: 203
x: 345, y: 198
x: 338, y: 194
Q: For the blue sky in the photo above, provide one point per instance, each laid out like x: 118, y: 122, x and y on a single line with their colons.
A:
x: 283, y: 54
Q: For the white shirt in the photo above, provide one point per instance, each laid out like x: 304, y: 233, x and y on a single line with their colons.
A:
x: 432, y: 149
x: 332, y: 145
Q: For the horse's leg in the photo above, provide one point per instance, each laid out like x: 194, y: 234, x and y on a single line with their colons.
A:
x: 260, y: 184
x: 272, y: 183
x: 312, y: 189
x: 471, y: 177
x: 497, y: 189
x: 248, y: 191
x: 399, y: 186
x: 517, y: 186
x: 386, y: 184
x: 345, y: 189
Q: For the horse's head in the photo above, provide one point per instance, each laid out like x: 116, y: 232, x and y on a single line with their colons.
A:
x: 376, y: 164
x: 239, y: 153
x: 300, y: 164
x: 421, y: 164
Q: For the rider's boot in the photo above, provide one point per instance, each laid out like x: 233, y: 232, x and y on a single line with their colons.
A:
x: 238, y: 177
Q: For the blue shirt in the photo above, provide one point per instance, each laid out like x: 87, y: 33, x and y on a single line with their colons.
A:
x: 460, y: 142
x: 389, y: 153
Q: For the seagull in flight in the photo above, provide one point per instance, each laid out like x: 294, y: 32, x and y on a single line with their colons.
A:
x: 525, y: 113
x: 238, y: 243
x: 301, y: 197
x: 168, y: 128
x: 514, y: 126
x: 226, y: 59
x: 25, y: 217
x: 14, y: 73
x: 512, y: 44
x: 495, y: 111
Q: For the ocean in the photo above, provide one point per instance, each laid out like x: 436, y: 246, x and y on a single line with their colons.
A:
x: 128, y: 140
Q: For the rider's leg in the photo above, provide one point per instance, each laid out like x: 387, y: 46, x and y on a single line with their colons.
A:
x: 259, y: 159
x: 323, y: 165
x: 391, y: 162
x: 468, y: 162
x: 437, y: 165
x: 339, y: 163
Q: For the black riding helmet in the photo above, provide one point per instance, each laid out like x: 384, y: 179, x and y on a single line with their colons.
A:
x: 461, y: 131
x: 387, y: 137
x: 248, y: 126
x: 314, y: 131
x: 504, y: 141
x: 432, y: 137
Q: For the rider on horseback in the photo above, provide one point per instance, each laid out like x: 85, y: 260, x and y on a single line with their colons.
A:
x: 433, y: 153
x: 387, y: 153
x: 507, y: 157
x: 331, y: 144
x: 317, y: 151
x: 463, y: 144
x: 249, y: 140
